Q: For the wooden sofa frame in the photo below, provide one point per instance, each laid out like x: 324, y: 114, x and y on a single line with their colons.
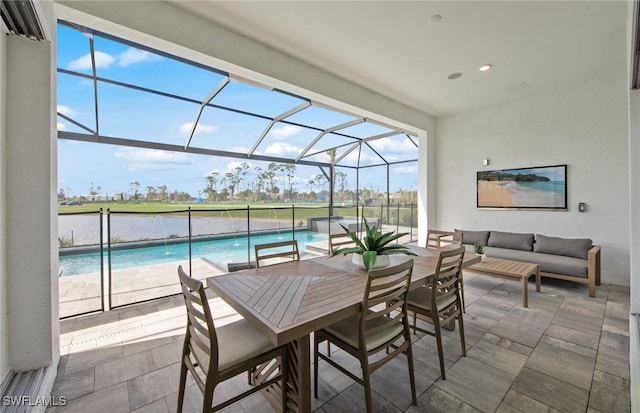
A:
x: 593, y: 272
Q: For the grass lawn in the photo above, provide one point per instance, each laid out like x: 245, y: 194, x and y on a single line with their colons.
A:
x: 235, y: 210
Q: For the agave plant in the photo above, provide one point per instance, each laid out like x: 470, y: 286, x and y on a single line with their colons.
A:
x: 374, y: 243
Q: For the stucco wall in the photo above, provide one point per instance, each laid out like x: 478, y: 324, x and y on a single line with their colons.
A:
x: 31, y: 209
x: 4, y: 343
x: 584, y: 126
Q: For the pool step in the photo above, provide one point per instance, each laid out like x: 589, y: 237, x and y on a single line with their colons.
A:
x: 318, y: 248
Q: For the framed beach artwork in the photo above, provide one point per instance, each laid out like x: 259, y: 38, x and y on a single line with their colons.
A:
x: 543, y: 187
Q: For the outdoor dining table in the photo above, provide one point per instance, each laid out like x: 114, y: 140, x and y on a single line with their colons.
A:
x: 289, y: 301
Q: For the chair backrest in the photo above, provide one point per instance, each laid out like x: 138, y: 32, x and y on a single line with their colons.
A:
x: 201, y: 334
x: 438, y: 239
x: 387, y: 286
x: 445, y: 282
x: 339, y: 240
x: 282, y: 249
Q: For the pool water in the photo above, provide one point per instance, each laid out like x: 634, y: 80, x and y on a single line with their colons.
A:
x: 219, y: 251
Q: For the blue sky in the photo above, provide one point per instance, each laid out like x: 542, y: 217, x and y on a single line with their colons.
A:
x: 132, y: 114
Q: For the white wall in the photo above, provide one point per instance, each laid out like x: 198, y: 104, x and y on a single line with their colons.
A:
x: 584, y: 126
x: 31, y: 207
x: 4, y: 342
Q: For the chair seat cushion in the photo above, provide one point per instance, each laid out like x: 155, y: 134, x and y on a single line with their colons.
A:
x: 237, y: 342
x: 347, y: 330
x: 421, y: 298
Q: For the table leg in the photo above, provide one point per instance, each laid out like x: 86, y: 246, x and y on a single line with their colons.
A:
x: 299, y: 393
x: 538, y: 278
x: 525, y: 291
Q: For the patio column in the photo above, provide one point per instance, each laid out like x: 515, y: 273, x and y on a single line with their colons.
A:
x: 31, y: 206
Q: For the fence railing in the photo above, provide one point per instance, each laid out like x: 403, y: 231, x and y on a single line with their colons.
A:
x: 109, y: 259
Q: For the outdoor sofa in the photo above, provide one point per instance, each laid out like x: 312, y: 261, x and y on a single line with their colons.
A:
x: 571, y: 259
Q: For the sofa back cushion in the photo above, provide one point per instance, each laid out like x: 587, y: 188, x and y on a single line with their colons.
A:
x: 474, y: 237
x: 511, y: 240
x: 570, y: 247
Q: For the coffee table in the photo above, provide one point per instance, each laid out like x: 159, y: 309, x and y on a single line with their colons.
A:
x: 510, y: 270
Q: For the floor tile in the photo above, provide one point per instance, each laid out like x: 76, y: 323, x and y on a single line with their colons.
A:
x: 551, y: 391
x: 564, y: 361
x: 518, y: 402
x: 476, y: 383
x: 118, y: 371
x: 114, y: 399
x: 436, y: 400
x: 153, y: 386
x: 607, y: 398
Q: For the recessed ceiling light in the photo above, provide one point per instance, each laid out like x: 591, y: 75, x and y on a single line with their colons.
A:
x: 455, y: 75
x: 485, y: 68
x: 435, y: 18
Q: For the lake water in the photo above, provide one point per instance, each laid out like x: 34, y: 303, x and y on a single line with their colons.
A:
x: 85, y: 229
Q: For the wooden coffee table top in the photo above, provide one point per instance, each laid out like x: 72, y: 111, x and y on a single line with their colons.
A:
x: 507, y: 268
x: 511, y: 270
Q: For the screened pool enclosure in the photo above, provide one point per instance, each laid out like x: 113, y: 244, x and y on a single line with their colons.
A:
x: 291, y: 158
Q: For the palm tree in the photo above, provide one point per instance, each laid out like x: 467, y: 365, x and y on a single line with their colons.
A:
x: 332, y: 160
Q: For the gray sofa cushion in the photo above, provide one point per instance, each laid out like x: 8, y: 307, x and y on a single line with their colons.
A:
x: 570, y: 247
x: 473, y: 237
x: 511, y: 240
x: 557, y: 264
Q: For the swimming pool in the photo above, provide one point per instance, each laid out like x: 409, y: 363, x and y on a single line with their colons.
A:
x: 220, y: 251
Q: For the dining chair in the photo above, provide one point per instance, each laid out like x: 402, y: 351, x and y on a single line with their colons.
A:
x: 276, y: 250
x: 213, y: 355
x: 440, y: 300
x: 339, y: 240
x: 438, y: 239
x: 380, y: 324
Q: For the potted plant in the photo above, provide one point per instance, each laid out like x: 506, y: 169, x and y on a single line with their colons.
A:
x: 479, y: 250
x: 374, y: 250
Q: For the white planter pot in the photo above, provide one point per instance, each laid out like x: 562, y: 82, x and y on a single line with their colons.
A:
x: 483, y: 257
x: 381, y: 261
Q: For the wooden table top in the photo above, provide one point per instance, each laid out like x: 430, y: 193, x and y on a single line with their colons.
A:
x: 506, y: 267
x: 290, y: 300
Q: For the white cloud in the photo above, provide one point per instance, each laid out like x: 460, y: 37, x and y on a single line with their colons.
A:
x: 151, y: 159
x: 393, y: 145
x: 352, y: 158
x: 103, y: 61
x: 239, y: 149
x: 133, y: 56
x: 406, y: 170
x: 65, y: 110
x: 231, y: 166
x: 201, y: 129
x: 62, y: 126
x: 285, y: 132
x: 282, y: 148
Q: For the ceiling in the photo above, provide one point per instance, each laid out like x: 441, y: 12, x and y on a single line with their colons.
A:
x: 392, y: 48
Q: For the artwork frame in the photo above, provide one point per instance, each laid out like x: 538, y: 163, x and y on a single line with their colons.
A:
x: 530, y: 188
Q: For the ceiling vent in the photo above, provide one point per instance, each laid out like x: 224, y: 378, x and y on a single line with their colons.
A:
x: 21, y: 18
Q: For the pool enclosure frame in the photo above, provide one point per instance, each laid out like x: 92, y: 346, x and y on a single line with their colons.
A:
x: 93, y: 135
x: 336, y: 154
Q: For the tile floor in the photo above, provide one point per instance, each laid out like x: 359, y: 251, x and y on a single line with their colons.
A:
x: 565, y: 353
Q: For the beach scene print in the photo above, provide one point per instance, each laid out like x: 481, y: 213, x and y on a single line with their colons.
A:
x: 541, y: 187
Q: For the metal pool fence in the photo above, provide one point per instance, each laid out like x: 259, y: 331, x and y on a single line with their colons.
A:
x: 106, y: 274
